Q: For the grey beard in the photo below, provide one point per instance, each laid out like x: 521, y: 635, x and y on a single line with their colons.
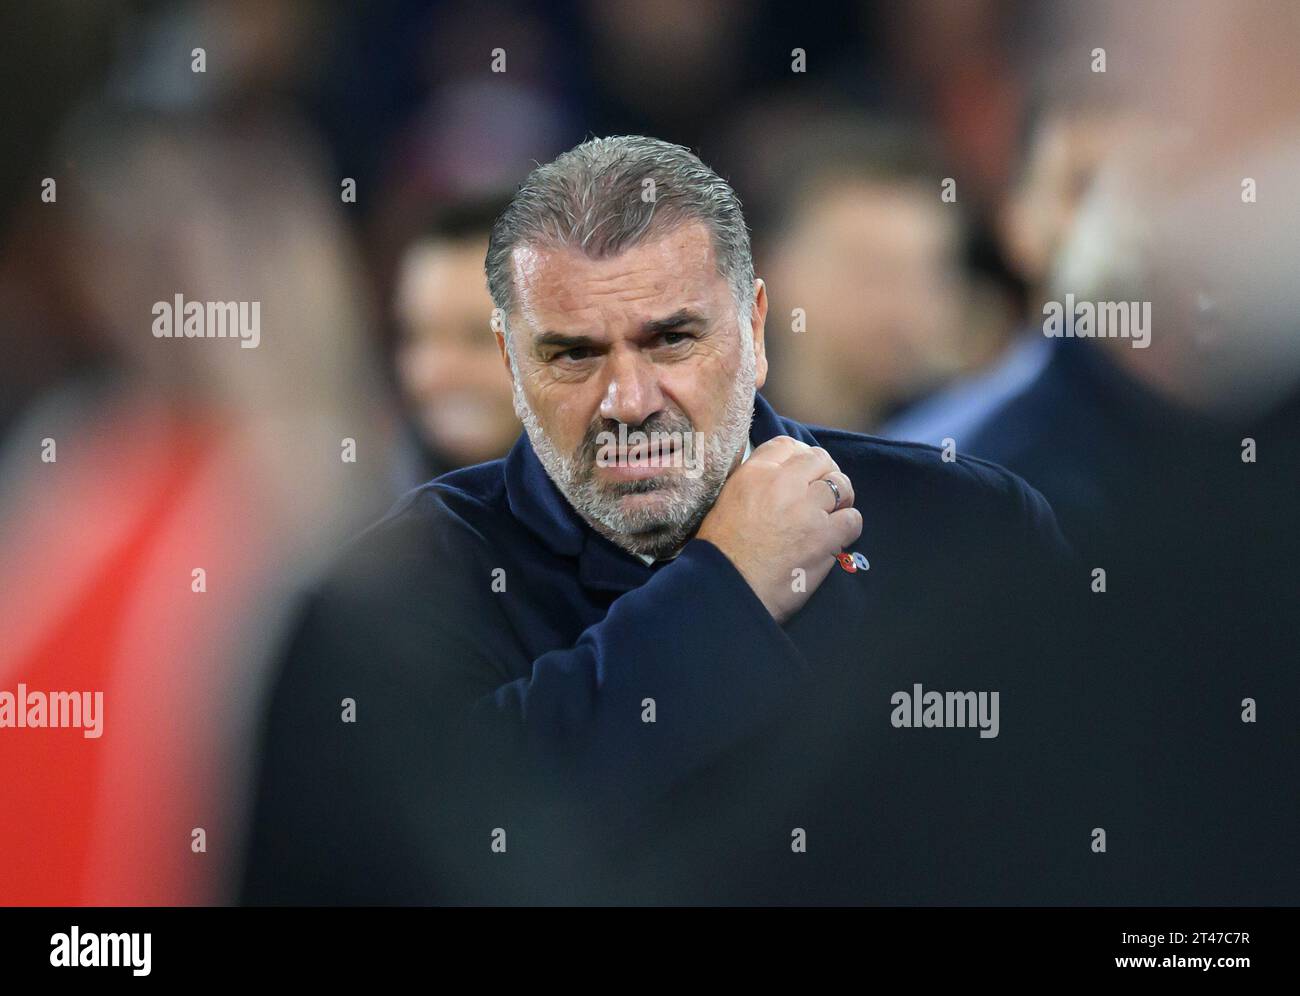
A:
x: 654, y: 533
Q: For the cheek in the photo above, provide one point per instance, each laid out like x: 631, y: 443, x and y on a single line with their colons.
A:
x: 565, y: 410
x: 701, y: 389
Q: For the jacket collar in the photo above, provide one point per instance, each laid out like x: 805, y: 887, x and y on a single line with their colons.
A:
x: 537, y: 503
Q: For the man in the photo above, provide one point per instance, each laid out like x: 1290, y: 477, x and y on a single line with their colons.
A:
x: 665, y: 650
x: 457, y: 402
x: 1067, y: 138
x: 863, y: 214
x: 1172, y: 460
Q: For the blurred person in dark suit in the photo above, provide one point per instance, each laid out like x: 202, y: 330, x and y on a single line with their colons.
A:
x: 1172, y: 461
x: 456, y: 397
x: 665, y: 651
x: 1173, y: 466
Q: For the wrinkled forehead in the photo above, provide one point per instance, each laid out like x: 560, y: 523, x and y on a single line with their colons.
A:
x: 562, y: 286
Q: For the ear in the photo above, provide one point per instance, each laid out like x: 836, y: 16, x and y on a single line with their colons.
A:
x: 758, y: 328
x: 498, y: 329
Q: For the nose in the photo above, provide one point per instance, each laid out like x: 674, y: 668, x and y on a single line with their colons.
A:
x: 632, y: 393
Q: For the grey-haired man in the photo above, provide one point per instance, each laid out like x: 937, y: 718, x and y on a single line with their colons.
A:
x: 606, y: 673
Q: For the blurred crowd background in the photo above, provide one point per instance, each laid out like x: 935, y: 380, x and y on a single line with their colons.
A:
x: 922, y: 315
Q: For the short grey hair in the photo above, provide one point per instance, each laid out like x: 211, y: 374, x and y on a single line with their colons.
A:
x: 591, y: 199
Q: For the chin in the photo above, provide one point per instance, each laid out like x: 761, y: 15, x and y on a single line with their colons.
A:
x: 659, y: 503
x: 655, y: 541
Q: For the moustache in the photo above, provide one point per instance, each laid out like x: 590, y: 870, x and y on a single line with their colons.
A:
x: 659, y: 423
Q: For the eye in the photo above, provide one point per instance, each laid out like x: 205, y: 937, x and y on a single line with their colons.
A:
x: 574, y: 355
x: 675, y: 338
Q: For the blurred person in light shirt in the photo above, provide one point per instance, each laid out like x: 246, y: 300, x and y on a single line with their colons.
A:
x: 1068, y: 135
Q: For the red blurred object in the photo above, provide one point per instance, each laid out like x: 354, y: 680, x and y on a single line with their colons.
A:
x: 100, y: 599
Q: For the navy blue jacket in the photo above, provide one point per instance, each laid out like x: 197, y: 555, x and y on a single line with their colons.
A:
x: 541, y: 717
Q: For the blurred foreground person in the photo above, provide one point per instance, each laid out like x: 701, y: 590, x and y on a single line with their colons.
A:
x: 155, y: 509
x: 674, y: 647
x: 1168, y: 441
x: 1165, y: 430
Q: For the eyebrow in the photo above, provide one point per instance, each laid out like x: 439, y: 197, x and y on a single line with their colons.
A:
x: 680, y: 317
x: 563, y: 340
x: 656, y: 326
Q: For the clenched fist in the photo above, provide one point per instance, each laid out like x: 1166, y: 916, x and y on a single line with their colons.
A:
x: 777, y: 513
